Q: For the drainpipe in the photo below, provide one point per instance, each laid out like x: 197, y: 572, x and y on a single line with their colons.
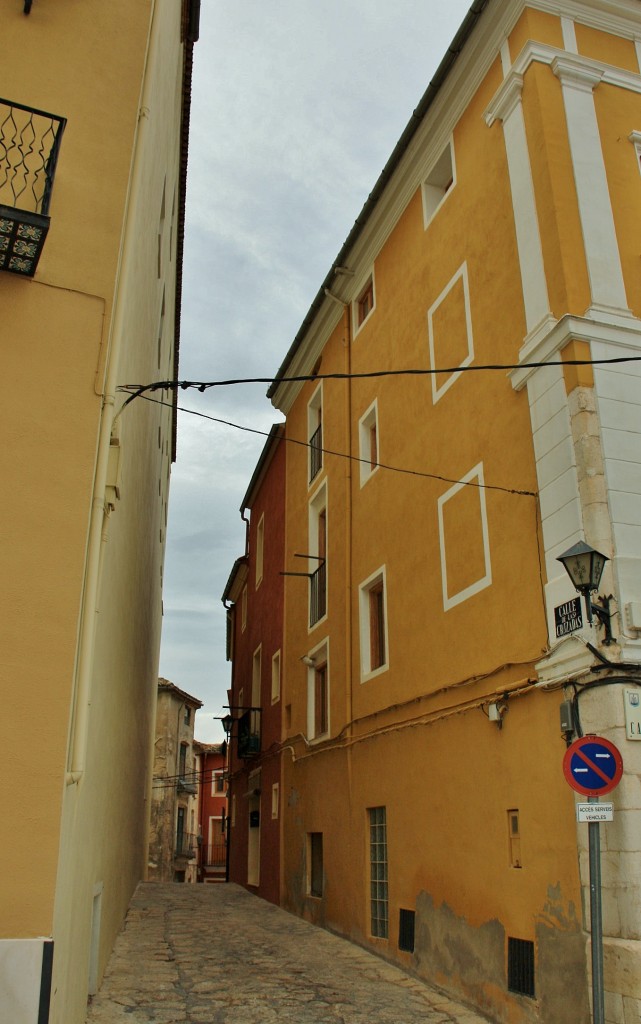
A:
x: 99, y: 514
x: 347, y: 320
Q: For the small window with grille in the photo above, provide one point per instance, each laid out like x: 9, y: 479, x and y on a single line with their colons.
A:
x: 406, y: 930
x: 378, y: 872
x: 520, y: 967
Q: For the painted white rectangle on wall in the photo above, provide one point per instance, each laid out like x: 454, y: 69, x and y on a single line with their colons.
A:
x: 21, y: 968
x: 476, y: 479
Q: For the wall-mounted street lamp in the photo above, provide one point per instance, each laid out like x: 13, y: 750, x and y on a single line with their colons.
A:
x: 584, y: 565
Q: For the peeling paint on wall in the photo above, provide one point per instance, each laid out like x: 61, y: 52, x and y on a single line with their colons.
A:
x: 470, y: 961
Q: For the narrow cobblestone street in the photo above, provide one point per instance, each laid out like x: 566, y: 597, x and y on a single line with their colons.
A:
x: 215, y: 954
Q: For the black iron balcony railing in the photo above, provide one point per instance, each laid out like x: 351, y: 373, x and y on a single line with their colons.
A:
x: 215, y: 855
x: 186, y: 844
x: 316, y: 452
x: 317, y: 594
x: 29, y: 146
x: 249, y: 733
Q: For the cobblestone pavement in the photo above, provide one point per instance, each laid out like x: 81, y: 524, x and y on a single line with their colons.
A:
x: 215, y: 954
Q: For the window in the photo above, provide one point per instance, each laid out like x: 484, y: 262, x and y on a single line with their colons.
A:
x: 318, y: 693
x: 520, y: 967
x: 320, y: 700
x: 275, y: 799
x: 439, y: 183
x: 187, y: 716
x: 318, y: 554
x: 364, y: 304
x: 218, y: 782
x: 368, y: 443
x: 243, y: 612
x: 514, y: 838
x: 257, y: 665
x: 276, y: 677
x: 260, y: 541
x: 315, y: 433
x: 315, y: 864
x: 406, y: 927
x: 378, y: 872
x: 182, y: 761
x: 373, y: 624
x: 181, y: 839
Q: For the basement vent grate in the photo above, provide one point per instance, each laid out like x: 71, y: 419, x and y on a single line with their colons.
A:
x: 520, y: 967
x: 406, y: 930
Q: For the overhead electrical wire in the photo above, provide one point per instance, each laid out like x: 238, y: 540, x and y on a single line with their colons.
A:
x: 341, y: 455
x: 136, y: 390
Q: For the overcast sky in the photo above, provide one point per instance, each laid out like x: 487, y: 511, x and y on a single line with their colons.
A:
x: 296, y: 106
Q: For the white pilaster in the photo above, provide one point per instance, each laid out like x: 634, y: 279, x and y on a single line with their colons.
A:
x: 595, y: 209
x: 508, y: 108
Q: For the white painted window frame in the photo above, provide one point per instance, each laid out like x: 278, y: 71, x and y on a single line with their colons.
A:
x: 367, y: 672
x: 433, y: 191
x: 320, y: 655
x: 365, y: 424
x: 276, y: 668
x: 363, y: 284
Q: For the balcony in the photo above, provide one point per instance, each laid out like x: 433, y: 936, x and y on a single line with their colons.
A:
x: 187, y: 785
x: 29, y: 146
x: 249, y: 733
x: 317, y: 594
x: 186, y: 845
x: 215, y: 855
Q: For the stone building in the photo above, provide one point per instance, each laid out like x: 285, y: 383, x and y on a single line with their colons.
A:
x: 174, y: 821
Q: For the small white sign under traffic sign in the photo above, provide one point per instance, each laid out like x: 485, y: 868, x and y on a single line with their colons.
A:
x: 595, y: 812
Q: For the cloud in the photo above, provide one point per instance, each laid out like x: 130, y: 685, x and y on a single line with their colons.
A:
x: 296, y: 108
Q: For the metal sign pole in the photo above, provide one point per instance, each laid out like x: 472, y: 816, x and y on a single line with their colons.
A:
x: 596, y: 919
x: 593, y: 767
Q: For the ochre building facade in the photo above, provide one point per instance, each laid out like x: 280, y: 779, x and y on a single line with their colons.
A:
x: 428, y: 663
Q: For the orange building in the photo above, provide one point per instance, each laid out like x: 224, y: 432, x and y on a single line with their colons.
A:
x: 462, y: 434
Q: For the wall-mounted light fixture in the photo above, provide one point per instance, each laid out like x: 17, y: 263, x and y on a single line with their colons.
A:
x: 497, y: 710
x: 584, y: 565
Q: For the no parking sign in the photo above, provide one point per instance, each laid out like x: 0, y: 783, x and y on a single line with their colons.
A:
x: 592, y: 766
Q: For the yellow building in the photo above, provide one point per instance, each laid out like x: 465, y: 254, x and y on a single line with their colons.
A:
x: 431, y: 674
x: 93, y: 129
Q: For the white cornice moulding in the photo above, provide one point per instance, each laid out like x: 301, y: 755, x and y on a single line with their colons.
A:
x: 568, y: 67
x: 506, y: 99
x: 570, y: 660
x: 540, y: 348
x: 572, y: 71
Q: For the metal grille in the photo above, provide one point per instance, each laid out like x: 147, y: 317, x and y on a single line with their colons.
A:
x: 29, y: 145
x: 520, y: 966
x: 406, y: 930
x: 316, y: 452
x: 378, y: 872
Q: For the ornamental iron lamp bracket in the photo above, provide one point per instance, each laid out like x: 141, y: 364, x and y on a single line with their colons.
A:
x: 29, y: 146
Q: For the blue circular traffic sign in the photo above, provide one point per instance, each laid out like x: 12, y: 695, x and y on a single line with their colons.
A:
x: 592, y: 766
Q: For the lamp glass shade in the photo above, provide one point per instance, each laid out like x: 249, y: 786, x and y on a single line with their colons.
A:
x: 584, y: 566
